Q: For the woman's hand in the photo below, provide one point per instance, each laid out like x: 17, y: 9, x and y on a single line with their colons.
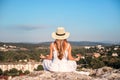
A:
x: 78, y: 57
x: 42, y: 56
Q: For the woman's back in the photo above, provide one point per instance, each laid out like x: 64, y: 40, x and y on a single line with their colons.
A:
x: 65, y: 53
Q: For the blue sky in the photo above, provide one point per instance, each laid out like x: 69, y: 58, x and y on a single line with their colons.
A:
x: 35, y: 20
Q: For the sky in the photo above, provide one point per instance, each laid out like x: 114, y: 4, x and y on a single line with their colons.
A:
x: 35, y: 20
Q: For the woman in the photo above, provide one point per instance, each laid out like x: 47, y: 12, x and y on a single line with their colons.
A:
x: 60, y: 58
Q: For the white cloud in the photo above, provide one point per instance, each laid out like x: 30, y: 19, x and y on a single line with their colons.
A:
x: 31, y: 27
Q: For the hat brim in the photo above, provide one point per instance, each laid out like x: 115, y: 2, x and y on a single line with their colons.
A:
x: 54, y: 36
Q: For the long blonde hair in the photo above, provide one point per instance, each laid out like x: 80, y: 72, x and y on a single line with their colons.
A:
x: 60, y: 46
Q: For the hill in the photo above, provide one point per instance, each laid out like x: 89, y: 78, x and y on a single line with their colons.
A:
x: 46, y: 44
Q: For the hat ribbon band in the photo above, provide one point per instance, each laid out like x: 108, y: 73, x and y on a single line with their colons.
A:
x: 60, y: 34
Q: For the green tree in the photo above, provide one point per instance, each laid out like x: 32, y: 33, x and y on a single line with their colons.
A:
x: 114, y: 62
x: 96, y: 63
x: 9, y: 56
x: 2, y: 57
x: 21, y: 56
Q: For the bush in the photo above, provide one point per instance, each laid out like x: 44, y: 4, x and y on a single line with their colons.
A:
x: 26, y: 72
x: 1, y: 72
x: 20, y: 72
x: 5, y: 72
x: 40, y: 67
x: 13, y: 72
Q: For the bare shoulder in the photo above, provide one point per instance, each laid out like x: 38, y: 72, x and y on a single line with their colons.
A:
x: 68, y: 45
x: 51, y: 45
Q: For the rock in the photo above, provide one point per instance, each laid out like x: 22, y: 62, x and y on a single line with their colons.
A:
x: 107, y: 73
x: 46, y: 75
x: 104, y: 73
x: 91, y: 71
x: 103, y: 70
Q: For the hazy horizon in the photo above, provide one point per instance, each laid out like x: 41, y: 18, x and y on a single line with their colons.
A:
x: 109, y: 42
x: 35, y: 20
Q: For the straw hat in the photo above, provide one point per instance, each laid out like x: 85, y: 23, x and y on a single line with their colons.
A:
x: 60, y: 34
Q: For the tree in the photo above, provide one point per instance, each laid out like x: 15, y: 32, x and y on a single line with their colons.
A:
x: 9, y: 56
x: 96, y: 63
x: 20, y: 56
x: 2, y: 57
x: 114, y: 62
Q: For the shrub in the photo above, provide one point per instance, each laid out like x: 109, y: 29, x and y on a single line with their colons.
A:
x: 1, y: 72
x: 26, y: 72
x: 20, y: 72
x: 40, y: 67
x: 5, y: 72
x: 13, y: 72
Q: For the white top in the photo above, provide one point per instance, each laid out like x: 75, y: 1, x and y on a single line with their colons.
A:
x: 58, y: 65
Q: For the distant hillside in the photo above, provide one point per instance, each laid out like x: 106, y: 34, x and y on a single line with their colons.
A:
x: 88, y: 43
x: 46, y: 44
x: 83, y: 43
x: 26, y: 45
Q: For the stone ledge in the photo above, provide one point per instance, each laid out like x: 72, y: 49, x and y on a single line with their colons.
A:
x: 104, y: 73
x: 45, y: 75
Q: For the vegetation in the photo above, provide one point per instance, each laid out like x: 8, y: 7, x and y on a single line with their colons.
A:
x: 14, y: 56
x: 34, y: 52
x: 113, y: 62
x: 96, y: 63
x: 1, y: 72
x: 26, y: 72
x: 40, y: 67
x: 13, y: 72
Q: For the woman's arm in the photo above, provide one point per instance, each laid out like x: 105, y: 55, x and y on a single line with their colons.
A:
x: 70, y: 57
x: 50, y: 54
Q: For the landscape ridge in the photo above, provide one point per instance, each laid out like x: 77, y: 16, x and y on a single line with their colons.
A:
x: 74, y: 43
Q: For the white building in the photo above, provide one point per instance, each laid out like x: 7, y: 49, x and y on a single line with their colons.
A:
x: 96, y: 55
x: 100, y: 47
x: 20, y: 66
x: 3, y: 49
x: 87, y: 47
x: 114, y: 54
x: 116, y: 47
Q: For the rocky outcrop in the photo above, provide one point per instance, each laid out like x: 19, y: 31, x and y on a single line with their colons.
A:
x: 105, y: 73
x: 45, y: 75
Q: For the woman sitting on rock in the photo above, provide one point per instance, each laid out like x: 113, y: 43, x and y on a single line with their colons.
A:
x: 60, y: 58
